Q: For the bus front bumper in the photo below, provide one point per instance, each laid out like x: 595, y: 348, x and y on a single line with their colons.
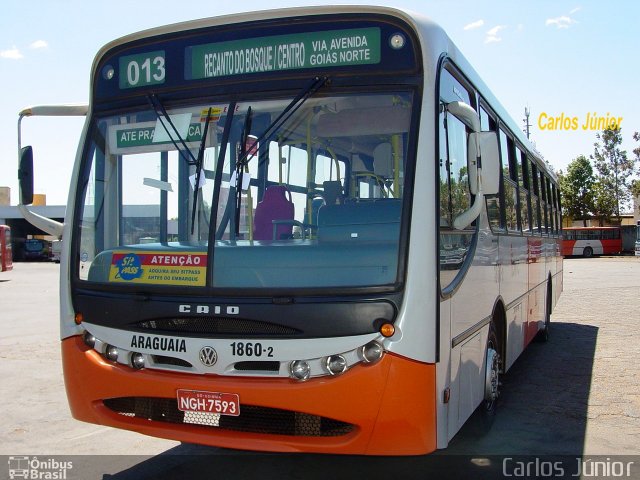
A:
x: 383, y: 409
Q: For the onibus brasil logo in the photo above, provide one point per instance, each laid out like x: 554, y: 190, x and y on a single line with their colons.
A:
x: 41, y: 469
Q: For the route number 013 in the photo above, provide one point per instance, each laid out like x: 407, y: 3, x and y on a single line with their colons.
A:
x: 142, y: 70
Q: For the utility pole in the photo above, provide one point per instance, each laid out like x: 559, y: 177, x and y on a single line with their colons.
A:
x: 526, y: 121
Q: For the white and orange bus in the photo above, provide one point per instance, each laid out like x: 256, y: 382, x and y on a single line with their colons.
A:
x: 309, y: 230
x: 6, y: 254
x: 589, y: 241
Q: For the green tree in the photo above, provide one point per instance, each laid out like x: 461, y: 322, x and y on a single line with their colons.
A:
x: 635, y: 188
x: 614, y: 169
x: 576, y: 188
x: 604, y: 201
x: 635, y: 184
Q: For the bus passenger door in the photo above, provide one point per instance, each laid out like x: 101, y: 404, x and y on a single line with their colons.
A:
x: 461, y: 284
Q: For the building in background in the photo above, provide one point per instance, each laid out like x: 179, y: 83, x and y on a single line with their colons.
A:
x: 145, y: 217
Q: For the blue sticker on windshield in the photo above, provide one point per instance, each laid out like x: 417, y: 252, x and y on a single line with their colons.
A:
x: 128, y: 267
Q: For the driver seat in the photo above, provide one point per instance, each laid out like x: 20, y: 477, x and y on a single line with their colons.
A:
x: 275, y: 205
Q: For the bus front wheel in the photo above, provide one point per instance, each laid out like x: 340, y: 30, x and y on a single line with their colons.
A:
x: 587, y: 252
x: 484, y: 416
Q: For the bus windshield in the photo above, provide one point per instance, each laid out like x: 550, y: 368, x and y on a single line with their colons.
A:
x: 312, y: 199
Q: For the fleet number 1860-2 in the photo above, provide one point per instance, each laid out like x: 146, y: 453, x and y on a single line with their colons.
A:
x: 250, y: 349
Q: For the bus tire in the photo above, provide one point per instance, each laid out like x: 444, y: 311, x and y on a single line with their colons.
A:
x: 482, y: 419
x: 492, y: 372
x: 587, y: 252
x: 544, y: 334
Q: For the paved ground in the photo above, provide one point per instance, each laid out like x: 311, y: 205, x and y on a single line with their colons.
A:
x: 579, y: 394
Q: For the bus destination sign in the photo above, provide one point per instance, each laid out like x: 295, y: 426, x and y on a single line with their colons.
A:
x: 284, y: 52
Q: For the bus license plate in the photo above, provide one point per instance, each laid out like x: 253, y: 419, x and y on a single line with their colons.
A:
x: 209, y: 402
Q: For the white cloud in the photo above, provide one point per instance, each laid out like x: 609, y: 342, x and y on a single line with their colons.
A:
x: 495, y: 30
x: 39, y: 44
x: 474, y: 25
x: 562, y: 21
x: 575, y: 10
x: 12, y: 54
x: 492, y: 35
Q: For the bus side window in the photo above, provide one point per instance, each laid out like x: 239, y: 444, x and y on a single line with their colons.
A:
x: 488, y: 124
x: 535, y: 199
x: 455, y: 197
x: 556, y: 211
x: 445, y: 211
x: 523, y: 187
x: 509, y: 186
x: 544, y: 220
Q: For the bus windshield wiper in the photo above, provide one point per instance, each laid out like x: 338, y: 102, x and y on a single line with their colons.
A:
x: 163, y: 117
x: 217, y: 233
x: 299, y: 100
x: 246, y: 154
x: 244, y: 136
x: 199, y: 162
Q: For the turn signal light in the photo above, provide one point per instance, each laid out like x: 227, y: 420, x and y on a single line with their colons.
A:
x: 387, y: 330
x: 78, y: 318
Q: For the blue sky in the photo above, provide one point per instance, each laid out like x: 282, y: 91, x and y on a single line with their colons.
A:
x: 556, y: 57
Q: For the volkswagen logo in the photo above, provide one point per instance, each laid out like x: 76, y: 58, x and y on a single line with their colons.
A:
x: 208, y: 356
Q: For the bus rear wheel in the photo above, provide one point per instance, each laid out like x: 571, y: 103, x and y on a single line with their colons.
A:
x: 587, y: 252
x: 492, y: 373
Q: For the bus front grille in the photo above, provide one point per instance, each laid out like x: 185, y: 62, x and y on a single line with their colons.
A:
x: 257, y: 366
x: 252, y: 419
x: 216, y: 326
x: 165, y: 360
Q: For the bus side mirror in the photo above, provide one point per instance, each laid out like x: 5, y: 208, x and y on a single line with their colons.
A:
x: 25, y: 175
x: 484, y: 145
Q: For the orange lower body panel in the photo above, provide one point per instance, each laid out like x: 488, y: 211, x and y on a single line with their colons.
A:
x: 391, y: 405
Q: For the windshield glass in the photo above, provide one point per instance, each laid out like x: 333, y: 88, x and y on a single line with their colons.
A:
x: 313, y: 200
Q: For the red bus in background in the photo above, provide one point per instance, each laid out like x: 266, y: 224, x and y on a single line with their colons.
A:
x: 589, y: 241
x: 6, y: 257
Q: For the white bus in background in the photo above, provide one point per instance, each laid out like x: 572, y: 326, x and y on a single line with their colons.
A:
x: 56, y: 250
x: 365, y: 239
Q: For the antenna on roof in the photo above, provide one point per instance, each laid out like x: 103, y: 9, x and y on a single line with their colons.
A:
x: 527, y: 112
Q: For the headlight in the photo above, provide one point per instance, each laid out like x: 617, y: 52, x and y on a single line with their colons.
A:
x: 89, y: 340
x: 300, y: 370
x: 137, y: 360
x: 111, y: 353
x: 371, y: 352
x: 336, y: 364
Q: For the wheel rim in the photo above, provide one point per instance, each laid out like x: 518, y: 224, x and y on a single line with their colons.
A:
x: 492, y: 380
